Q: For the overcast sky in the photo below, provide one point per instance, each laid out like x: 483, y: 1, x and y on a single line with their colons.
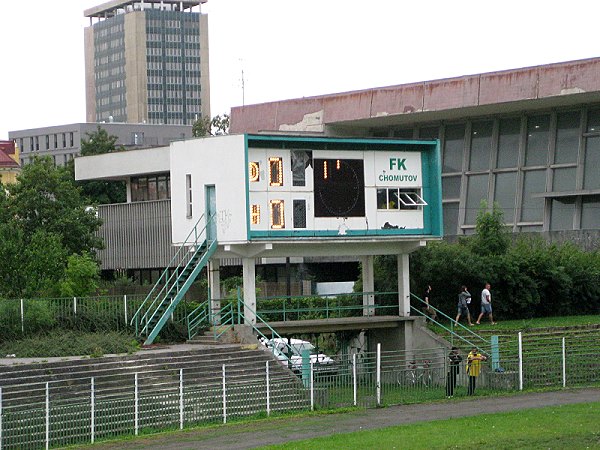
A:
x: 289, y: 49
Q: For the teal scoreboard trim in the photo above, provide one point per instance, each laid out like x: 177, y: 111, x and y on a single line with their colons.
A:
x: 430, y: 170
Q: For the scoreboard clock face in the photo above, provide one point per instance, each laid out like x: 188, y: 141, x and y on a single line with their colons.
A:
x: 339, y: 188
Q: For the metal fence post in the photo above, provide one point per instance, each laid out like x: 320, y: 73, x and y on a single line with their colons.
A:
x: 75, y: 305
x: 495, y: 346
x: 378, y: 386
x: 224, y: 397
x: 354, y: 383
x: 125, y: 307
x: 136, y: 405
x: 520, y: 361
x: 312, y: 388
x: 92, y: 410
x: 22, y: 317
x: 564, y: 362
x: 181, y: 399
x: 47, y: 415
x: 268, y: 389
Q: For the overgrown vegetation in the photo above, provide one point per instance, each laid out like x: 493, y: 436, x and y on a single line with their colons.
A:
x: 529, y: 277
x: 70, y: 343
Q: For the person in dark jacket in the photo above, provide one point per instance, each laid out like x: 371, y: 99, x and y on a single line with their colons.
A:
x: 464, y: 298
x: 454, y: 360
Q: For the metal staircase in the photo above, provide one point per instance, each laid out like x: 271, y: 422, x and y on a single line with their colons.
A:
x: 174, y: 282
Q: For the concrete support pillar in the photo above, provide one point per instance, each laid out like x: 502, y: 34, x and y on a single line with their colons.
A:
x: 403, y: 286
x: 368, y: 280
x: 248, y: 265
x: 404, y: 302
x: 214, y: 284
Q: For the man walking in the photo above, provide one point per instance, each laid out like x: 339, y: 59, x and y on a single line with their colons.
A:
x: 486, y: 305
x: 427, y: 309
x: 464, y: 298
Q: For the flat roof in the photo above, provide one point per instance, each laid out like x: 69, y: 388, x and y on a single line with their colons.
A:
x: 107, y: 9
x: 557, y: 85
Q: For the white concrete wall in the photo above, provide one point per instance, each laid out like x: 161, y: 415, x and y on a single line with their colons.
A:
x: 122, y: 164
x: 218, y: 161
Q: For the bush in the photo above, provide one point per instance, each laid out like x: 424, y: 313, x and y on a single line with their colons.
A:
x: 530, y: 278
x: 69, y: 343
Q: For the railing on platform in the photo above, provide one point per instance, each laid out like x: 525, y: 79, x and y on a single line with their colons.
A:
x: 283, y: 309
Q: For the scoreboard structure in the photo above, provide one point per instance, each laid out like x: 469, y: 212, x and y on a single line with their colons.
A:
x: 288, y: 196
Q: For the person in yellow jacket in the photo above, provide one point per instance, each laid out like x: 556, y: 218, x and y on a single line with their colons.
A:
x: 474, y: 368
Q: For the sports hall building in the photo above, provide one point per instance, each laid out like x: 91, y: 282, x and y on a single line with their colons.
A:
x: 527, y: 139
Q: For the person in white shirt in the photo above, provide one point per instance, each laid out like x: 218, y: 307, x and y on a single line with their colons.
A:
x: 486, y: 305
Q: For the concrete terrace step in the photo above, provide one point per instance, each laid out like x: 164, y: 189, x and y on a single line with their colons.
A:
x: 142, y: 358
x: 98, y: 368
x: 25, y: 384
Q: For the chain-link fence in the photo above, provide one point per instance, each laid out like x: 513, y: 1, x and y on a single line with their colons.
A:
x: 71, y: 411
x: 25, y: 317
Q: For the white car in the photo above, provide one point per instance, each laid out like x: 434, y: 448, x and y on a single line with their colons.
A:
x: 291, y: 349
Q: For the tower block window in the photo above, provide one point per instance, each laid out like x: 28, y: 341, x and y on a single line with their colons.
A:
x: 277, y: 217
x: 255, y: 215
x: 254, y: 171
x: 276, y: 171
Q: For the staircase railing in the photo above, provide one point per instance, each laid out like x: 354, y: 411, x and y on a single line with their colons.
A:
x: 197, y: 317
x: 473, y: 339
x: 176, y: 278
x: 241, y: 318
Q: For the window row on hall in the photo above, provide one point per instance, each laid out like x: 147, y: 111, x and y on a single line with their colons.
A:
x: 150, y: 188
x: 542, y: 169
x: 539, y: 140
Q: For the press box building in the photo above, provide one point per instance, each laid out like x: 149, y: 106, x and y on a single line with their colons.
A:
x: 270, y: 196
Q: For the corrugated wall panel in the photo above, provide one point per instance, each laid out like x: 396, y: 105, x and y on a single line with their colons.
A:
x: 136, y: 235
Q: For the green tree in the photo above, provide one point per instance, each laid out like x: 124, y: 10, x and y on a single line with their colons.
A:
x: 82, y: 276
x: 101, y: 192
x: 45, y: 198
x: 205, y: 126
x: 44, y: 264
x: 12, y: 259
x: 491, y: 234
x: 99, y: 142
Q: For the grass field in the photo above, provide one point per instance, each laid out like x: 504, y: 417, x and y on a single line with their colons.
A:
x: 557, y: 427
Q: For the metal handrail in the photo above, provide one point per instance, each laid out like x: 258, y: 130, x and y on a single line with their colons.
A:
x: 453, y: 323
x: 171, y: 264
x: 196, y: 317
x: 328, y: 309
x: 169, y: 284
x: 274, y: 334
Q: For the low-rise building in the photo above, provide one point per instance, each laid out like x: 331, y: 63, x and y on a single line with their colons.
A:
x: 63, y: 142
x: 9, y: 162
